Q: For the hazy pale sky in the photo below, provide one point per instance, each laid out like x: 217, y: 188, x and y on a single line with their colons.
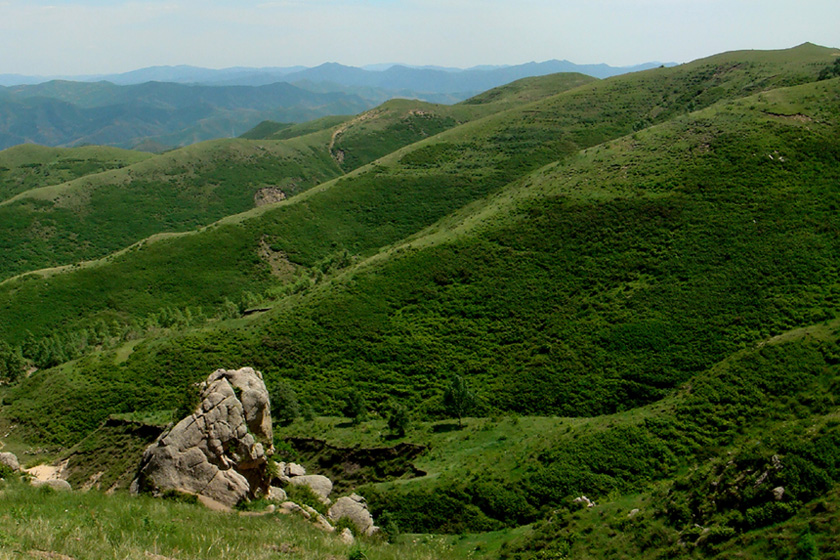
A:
x: 64, y: 37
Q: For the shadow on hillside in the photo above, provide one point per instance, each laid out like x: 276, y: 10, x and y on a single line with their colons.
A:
x: 445, y: 427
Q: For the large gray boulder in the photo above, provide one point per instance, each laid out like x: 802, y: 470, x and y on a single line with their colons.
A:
x: 220, y: 451
x: 353, y: 507
x: 10, y: 460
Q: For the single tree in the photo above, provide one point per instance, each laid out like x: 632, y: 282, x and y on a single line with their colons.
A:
x: 355, y: 407
x: 398, y: 420
x: 284, y: 403
x: 458, y: 400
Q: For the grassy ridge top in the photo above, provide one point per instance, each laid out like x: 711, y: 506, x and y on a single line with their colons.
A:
x: 30, y: 166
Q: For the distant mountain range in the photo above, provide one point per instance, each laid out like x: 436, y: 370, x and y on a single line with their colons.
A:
x: 168, y: 106
x: 154, y: 115
x: 390, y: 75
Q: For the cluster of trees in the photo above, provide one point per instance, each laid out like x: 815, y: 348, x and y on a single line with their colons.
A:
x: 458, y: 401
x: 830, y: 71
x: 11, y: 363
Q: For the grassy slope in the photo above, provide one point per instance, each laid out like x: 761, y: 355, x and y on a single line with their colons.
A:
x: 609, y: 263
x: 30, y: 166
x: 694, y: 458
x: 608, y: 279
x: 359, y: 217
x: 178, y: 191
x: 99, y: 214
x: 607, y: 305
x: 93, y: 526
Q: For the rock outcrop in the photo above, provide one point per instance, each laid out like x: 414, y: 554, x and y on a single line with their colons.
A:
x: 353, y: 507
x: 10, y: 460
x: 220, y: 451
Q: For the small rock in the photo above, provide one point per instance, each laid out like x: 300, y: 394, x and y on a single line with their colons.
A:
x: 291, y: 507
x: 57, y: 484
x: 778, y: 493
x: 354, y: 507
x: 293, y: 469
x: 346, y: 536
x: 633, y: 512
x: 584, y: 500
x: 10, y: 460
x: 276, y: 494
x: 320, y: 485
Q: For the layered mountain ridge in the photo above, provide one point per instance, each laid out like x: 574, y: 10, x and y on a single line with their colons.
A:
x: 635, y: 276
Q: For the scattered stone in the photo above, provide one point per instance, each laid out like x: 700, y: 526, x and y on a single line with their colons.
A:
x: 293, y: 469
x: 10, y: 460
x: 584, y: 500
x: 633, y: 512
x: 320, y: 485
x: 323, y: 524
x: 277, y: 494
x: 346, y: 536
x: 353, y: 507
x: 268, y: 195
x: 217, y: 451
x: 291, y: 507
x: 778, y: 493
x: 55, y: 484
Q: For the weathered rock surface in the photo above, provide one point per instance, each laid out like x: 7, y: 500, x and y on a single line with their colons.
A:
x: 353, y: 507
x: 293, y: 469
x: 219, y: 450
x: 56, y: 484
x: 346, y: 536
x: 291, y: 507
x: 320, y: 485
x: 277, y: 494
x: 10, y: 460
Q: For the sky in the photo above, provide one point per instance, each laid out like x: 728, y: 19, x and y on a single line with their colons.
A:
x: 74, y: 37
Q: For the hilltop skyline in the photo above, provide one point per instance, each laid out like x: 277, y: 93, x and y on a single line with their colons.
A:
x: 66, y: 37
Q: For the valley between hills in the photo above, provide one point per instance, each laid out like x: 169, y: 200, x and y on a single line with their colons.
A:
x: 568, y: 317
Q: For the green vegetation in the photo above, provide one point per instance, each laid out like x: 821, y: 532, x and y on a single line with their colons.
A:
x: 39, y: 523
x: 458, y: 399
x: 29, y: 166
x: 635, y: 278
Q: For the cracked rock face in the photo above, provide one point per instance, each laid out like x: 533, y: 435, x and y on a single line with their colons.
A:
x: 219, y: 451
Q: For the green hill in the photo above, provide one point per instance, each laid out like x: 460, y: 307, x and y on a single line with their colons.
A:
x: 636, y: 276
x: 178, y: 191
x: 30, y: 166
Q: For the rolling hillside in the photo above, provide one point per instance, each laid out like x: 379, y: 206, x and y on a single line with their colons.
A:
x: 61, y: 113
x: 637, y: 277
x: 101, y: 213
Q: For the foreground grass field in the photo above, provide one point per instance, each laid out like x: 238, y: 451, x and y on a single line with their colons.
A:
x: 41, y: 523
